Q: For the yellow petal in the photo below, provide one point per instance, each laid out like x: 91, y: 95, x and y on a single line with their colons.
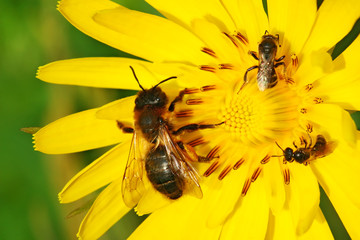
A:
x: 184, y: 219
x: 100, y: 172
x: 157, y: 38
x: 224, y: 195
x: 335, y: 121
x: 250, y: 219
x: 334, y: 20
x: 275, y: 186
x: 281, y: 226
x: 319, y: 229
x: 293, y: 21
x: 339, y: 177
x: 185, y: 11
x: 346, y: 97
x: 342, y: 87
x: 350, y: 56
x: 225, y: 50
x: 107, y: 209
x: 313, y: 66
x: 100, y: 72
x: 81, y: 14
x: 250, y: 19
x: 151, y: 201
x: 77, y: 132
x: 342, y: 166
x: 304, y: 197
x: 121, y: 109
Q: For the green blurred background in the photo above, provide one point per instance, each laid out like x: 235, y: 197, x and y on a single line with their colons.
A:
x: 33, y: 33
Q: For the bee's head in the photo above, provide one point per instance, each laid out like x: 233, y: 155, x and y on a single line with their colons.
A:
x: 288, y: 154
x: 154, y: 97
x: 269, y: 44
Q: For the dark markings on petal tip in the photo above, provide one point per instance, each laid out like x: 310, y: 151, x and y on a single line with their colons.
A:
x: 208, y: 68
x: 224, y: 172
x: 209, y: 51
x: 246, y: 187
x: 196, y: 142
x: 213, y: 152
x: 231, y: 38
x: 194, y: 101
x: 238, y: 164
x: 208, y: 88
x: 212, y: 168
x: 184, y: 113
x: 256, y: 174
x: 286, y: 173
x: 265, y: 160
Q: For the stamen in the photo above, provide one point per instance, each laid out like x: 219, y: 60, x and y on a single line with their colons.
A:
x: 246, y: 187
x: 294, y: 61
x: 196, y: 142
x: 289, y: 80
x: 309, y: 87
x: 318, y: 100
x: 208, y: 68
x: 238, y: 164
x: 266, y: 159
x: 208, y: 88
x: 309, y: 128
x: 286, y: 173
x: 213, y: 152
x: 232, y: 40
x: 191, y: 90
x: 242, y: 38
x: 224, y: 172
x: 194, y: 101
x: 209, y: 51
x: 184, y: 113
x: 226, y: 66
x: 256, y: 174
x: 303, y: 110
x: 212, y: 168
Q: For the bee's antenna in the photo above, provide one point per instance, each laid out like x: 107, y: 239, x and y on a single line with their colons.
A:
x: 279, y: 146
x: 164, y: 81
x: 132, y: 69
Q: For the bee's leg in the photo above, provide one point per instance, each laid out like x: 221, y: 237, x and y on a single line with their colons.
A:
x: 283, y: 73
x: 191, y: 153
x: 177, y: 99
x: 306, y: 143
x: 280, y: 58
x: 254, y: 55
x: 245, y: 76
x: 124, y: 128
x: 310, y: 139
x: 194, y: 127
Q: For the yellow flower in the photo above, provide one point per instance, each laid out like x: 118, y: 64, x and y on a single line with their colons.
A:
x: 249, y: 191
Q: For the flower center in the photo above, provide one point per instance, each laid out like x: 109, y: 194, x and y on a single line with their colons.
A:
x: 255, y: 117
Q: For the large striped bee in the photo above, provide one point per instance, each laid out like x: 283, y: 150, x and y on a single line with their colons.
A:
x: 157, y: 149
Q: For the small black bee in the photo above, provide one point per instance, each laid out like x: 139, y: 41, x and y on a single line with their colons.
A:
x: 266, y: 77
x: 157, y: 148
x: 304, y: 155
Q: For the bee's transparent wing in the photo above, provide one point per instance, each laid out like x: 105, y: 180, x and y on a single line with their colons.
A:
x: 132, y: 185
x: 180, y: 163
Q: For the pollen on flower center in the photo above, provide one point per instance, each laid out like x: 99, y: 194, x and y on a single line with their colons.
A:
x: 255, y: 117
x: 240, y: 115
